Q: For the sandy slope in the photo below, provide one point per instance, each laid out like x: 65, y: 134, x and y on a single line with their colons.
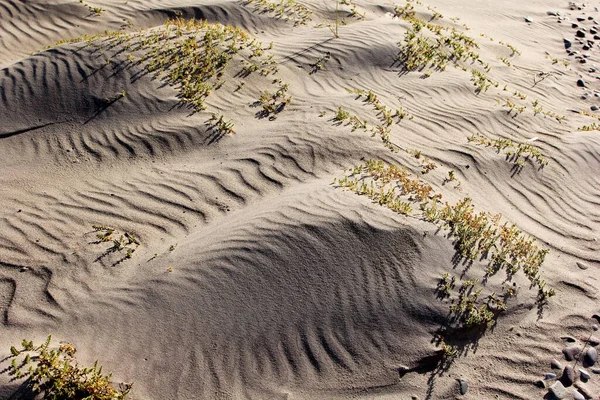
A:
x: 281, y: 285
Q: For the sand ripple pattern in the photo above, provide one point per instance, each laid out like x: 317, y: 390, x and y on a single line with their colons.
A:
x: 278, y: 285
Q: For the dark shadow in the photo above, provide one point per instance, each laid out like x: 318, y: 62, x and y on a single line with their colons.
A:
x: 4, y: 135
x: 23, y: 391
x: 119, y: 261
x: 515, y: 170
x: 292, y: 57
x: 319, y: 64
x: 106, y: 253
x: 101, y: 106
x: 214, y: 133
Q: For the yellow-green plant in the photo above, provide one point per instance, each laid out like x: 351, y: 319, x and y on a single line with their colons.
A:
x: 476, y: 236
x: 126, y: 242
x: 386, y: 115
x: 274, y: 103
x: 96, y: 11
x: 190, y: 55
x: 481, y: 81
x: 341, y: 115
x: 54, y: 374
x: 319, y: 63
x: 289, y: 10
x: 220, y: 125
x: 591, y: 127
x: 517, y: 152
x: 428, y: 44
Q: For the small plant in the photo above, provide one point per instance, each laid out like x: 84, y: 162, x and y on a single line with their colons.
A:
x: 511, y: 47
x: 481, y: 81
x: 555, y: 60
x: 354, y: 13
x: 415, y: 153
x: 450, y: 352
x: 319, y: 64
x: 446, y: 285
x: 220, y: 125
x: 451, y: 175
x: 172, y: 247
x: 537, y: 108
x: 513, y: 107
x: 341, y: 115
x: 118, y: 96
x: 106, y: 232
x: 274, y: 103
x: 54, y: 373
x: 96, y: 11
x: 126, y: 242
x: 427, y: 166
x: 505, y: 61
x: 520, y: 95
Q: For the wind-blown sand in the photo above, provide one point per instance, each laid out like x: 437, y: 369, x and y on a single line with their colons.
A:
x: 280, y: 285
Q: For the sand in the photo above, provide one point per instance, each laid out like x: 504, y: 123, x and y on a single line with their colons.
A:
x: 256, y: 277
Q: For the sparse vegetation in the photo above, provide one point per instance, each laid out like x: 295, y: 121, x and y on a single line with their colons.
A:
x: 273, y: 103
x: 511, y: 47
x: 476, y: 236
x: 555, y: 60
x: 95, y: 11
x: 289, y: 10
x: 517, y: 153
x: 481, y: 81
x: 341, y: 115
x: 439, y: 47
x: 192, y: 56
x: 220, y: 125
x: 591, y: 127
x: 319, y: 63
x: 118, y: 96
x: 126, y: 242
x: 386, y: 115
x: 54, y: 374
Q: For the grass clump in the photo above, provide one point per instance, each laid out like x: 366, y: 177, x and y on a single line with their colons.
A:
x: 588, y: 128
x: 518, y: 153
x: 386, y: 115
x: 274, y: 103
x: 54, y: 374
x: 476, y: 236
x: 429, y: 44
x: 288, y: 10
x: 126, y: 242
x: 218, y: 123
x: 481, y: 81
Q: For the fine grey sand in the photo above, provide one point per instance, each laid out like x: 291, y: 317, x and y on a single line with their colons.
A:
x: 257, y: 277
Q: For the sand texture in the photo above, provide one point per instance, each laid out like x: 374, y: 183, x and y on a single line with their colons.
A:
x: 257, y: 277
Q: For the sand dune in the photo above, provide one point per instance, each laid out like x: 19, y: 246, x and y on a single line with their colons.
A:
x: 255, y: 276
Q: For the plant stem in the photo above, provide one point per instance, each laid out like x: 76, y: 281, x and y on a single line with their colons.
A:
x: 337, y: 7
